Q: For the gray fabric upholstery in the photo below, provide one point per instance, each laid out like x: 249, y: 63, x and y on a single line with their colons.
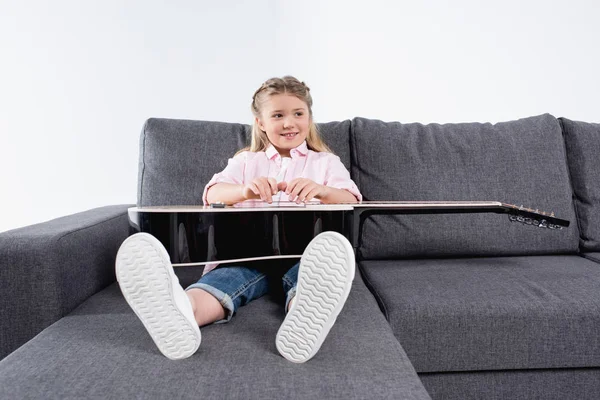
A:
x: 592, y: 256
x: 102, y: 350
x: 492, y: 313
x: 337, y: 136
x: 582, y: 141
x: 552, y: 384
x: 175, y: 162
x: 48, y: 269
x: 517, y: 162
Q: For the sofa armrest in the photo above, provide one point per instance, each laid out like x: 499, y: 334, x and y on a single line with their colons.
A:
x: 48, y: 269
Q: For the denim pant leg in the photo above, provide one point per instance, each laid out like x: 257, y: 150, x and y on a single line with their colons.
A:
x: 290, y: 279
x: 233, y: 286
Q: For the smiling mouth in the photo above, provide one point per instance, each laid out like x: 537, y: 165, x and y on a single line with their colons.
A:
x: 292, y: 134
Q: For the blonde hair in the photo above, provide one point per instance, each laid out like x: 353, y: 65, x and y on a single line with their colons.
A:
x: 286, y: 85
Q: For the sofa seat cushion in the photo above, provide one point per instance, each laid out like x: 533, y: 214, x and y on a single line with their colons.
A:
x: 101, y: 350
x: 519, y: 162
x: 473, y: 314
x: 546, y: 384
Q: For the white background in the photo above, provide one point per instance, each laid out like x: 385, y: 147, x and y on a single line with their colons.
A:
x: 79, y: 78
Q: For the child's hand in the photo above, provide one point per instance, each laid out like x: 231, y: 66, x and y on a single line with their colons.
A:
x: 303, y: 190
x: 260, y: 188
x: 281, y: 186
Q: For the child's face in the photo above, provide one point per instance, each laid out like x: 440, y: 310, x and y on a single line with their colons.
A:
x: 286, y: 121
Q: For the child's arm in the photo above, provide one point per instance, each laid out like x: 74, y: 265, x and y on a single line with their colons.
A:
x: 334, y: 195
x: 227, y: 193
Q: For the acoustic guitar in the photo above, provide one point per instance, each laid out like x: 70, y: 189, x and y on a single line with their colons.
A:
x: 255, y: 230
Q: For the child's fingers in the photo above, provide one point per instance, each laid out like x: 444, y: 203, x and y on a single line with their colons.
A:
x: 294, y: 195
x: 259, y: 189
x: 254, y: 189
x: 266, y: 190
x: 273, y: 185
x: 305, y: 193
x: 311, y: 194
x: 301, y: 193
x: 291, y: 185
x: 292, y: 190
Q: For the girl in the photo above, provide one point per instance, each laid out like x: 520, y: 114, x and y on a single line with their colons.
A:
x: 286, y: 161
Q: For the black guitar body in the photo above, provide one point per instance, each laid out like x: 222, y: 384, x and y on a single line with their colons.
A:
x: 201, y: 237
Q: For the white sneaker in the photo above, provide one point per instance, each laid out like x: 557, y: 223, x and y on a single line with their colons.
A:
x: 324, y: 282
x: 152, y: 289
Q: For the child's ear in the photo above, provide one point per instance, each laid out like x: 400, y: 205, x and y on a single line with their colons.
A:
x: 259, y: 123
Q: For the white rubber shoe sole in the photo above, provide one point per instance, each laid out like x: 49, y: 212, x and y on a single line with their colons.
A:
x: 324, y: 282
x: 152, y: 289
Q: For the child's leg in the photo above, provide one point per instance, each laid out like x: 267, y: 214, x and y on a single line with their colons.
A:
x: 224, y: 290
x: 152, y: 289
x: 324, y: 279
x: 290, y: 279
x: 207, y: 309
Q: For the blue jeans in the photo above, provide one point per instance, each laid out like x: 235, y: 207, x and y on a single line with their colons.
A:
x: 236, y: 286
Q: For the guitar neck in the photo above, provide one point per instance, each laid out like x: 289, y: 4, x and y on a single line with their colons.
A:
x: 520, y: 214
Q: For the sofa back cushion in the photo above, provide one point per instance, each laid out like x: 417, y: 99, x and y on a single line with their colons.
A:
x: 582, y: 141
x: 178, y: 157
x: 519, y: 162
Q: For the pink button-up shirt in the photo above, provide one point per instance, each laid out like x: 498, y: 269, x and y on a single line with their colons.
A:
x: 321, y: 167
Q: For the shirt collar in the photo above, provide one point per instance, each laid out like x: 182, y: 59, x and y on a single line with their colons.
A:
x: 301, y: 150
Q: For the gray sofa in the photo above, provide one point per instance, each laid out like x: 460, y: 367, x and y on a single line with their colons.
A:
x: 461, y: 306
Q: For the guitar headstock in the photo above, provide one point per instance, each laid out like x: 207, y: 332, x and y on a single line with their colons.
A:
x: 529, y: 216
